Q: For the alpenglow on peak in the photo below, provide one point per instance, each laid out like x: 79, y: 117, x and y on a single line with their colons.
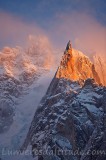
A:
x: 76, y: 66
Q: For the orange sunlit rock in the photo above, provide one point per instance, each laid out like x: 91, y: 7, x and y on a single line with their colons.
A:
x: 76, y: 66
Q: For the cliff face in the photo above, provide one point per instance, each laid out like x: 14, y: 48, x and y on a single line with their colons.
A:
x: 70, y: 120
x: 76, y: 66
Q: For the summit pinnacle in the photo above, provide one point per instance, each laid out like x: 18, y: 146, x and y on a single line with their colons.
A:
x: 68, y: 45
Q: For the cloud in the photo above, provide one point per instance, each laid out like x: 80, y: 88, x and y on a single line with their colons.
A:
x: 84, y: 31
x: 14, y: 31
x: 31, y: 38
x: 86, y: 34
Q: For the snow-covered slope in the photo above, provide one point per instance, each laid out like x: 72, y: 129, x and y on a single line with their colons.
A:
x: 20, y: 63
x: 19, y: 68
x: 24, y: 77
x: 24, y: 109
x: 70, y: 119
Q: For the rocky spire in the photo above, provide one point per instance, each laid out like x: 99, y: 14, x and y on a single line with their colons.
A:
x: 76, y: 66
x: 68, y: 47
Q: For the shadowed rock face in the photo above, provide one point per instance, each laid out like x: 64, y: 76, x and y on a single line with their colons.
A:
x: 70, y: 120
x: 10, y: 89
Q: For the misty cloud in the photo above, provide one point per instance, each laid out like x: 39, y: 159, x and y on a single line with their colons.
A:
x: 14, y: 31
x: 86, y: 34
x: 84, y: 31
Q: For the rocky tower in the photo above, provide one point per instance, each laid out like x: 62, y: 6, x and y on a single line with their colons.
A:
x: 76, y: 66
x: 70, y: 118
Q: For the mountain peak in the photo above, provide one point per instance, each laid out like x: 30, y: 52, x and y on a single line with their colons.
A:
x: 69, y: 46
x: 76, y: 66
x: 70, y: 117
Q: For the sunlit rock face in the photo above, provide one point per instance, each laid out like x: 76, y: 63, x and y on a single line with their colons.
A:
x: 100, y: 65
x: 70, y: 119
x: 76, y: 66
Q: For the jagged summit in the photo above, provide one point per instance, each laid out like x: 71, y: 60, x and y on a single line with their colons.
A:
x: 76, y: 66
